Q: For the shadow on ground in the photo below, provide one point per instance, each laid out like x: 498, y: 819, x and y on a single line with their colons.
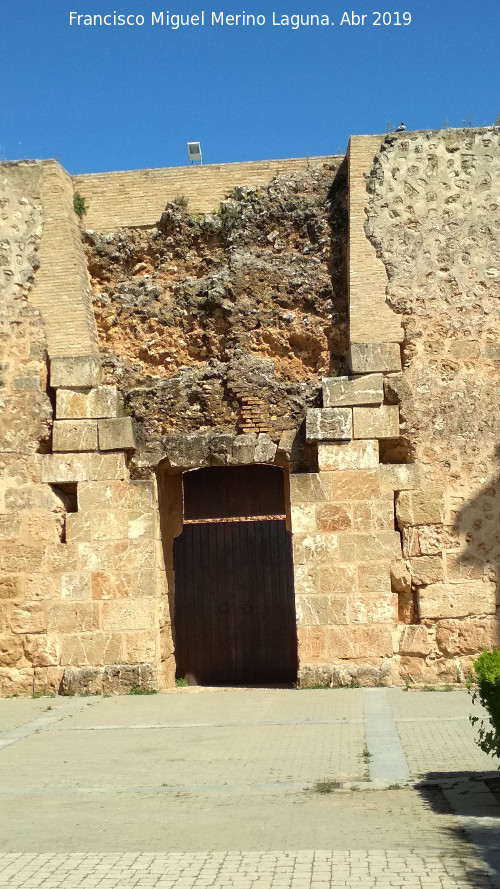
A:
x: 475, y: 798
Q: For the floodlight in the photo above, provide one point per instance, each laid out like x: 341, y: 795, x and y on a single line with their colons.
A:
x: 194, y: 152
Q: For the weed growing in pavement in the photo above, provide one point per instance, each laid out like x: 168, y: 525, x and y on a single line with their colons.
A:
x: 141, y: 690
x: 326, y: 786
x: 180, y: 682
x: 45, y: 693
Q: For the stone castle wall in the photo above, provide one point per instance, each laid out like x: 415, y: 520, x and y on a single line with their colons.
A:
x: 395, y: 505
x: 82, y: 603
x: 136, y: 198
x: 428, y: 274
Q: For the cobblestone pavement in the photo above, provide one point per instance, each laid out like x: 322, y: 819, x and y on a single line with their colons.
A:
x: 225, y: 788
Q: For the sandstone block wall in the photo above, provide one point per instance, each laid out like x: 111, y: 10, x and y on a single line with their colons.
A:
x: 82, y: 586
x: 137, y: 198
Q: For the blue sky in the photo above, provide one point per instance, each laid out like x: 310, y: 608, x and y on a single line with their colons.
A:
x: 109, y: 98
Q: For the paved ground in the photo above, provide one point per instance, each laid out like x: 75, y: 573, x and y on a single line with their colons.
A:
x: 220, y: 788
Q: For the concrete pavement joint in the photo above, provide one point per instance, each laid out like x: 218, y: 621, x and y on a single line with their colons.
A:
x: 44, y: 721
x: 387, y: 761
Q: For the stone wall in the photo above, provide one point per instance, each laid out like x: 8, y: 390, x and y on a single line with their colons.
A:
x: 31, y: 515
x: 61, y: 290
x: 136, y: 198
x: 424, y: 269
x: 394, y: 486
x: 434, y: 219
x: 82, y: 588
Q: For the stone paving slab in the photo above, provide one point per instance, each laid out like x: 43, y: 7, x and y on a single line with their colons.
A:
x: 215, y: 788
x: 435, y: 731
x: 314, y: 869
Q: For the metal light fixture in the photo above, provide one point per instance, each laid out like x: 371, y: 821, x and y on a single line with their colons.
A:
x: 194, y: 152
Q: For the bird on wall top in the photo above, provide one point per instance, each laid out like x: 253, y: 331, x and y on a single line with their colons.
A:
x: 400, y: 129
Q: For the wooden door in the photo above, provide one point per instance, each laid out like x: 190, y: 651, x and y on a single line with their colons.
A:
x: 234, y: 617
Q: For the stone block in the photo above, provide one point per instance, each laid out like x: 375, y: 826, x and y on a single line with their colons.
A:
x: 42, y: 586
x: 379, y: 546
x: 92, y: 649
x: 136, y: 554
x: 11, y: 651
x: 41, y: 527
x: 140, y: 647
x: 10, y: 526
x: 74, y: 617
x: 140, y: 524
x: 373, y: 515
x: 81, y: 372
x: 328, y: 423
x: 104, y: 401
x: 356, y: 642
x: 461, y: 566
x: 400, y: 577
x: 468, y: 636
x: 59, y: 468
x: 321, y: 610
x: 145, y: 583
x: 305, y: 579
x: 61, y: 557
x: 426, y: 570
x: 11, y: 586
x: 375, y: 608
x: 333, y: 517
x: 109, y: 524
x: 419, y: 508
x: 349, y: 455
x: 308, y: 487
x: 78, y: 526
x: 75, y: 587
x: 376, y: 422
x: 336, y: 579
x: 265, y: 449
x: 116, y: 434
x: 41, y: 651
x: 74, y: 435
x: 243, y: 449
x: 315, y: 548
x: 374, y: 577
x: 124, y: 615
x: 29, y: 617
x: 355, y: 484
x: 442, y: 600
x: 137, y: 495
x: 435, y: 539
x: 399, y: 477
x: 303, y: 518
x: 16, y: 557
x: 111, y: 584
x: 415, y: 640
x: 365, y: 358
x: 340, y: 391
x: 120, y: 678
x: 98, y: 555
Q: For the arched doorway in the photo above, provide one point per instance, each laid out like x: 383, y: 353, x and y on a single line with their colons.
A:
x: 234, y: 617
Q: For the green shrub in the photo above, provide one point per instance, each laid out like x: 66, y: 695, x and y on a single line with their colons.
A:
x: 486, y: 690
x: 79, y: 205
